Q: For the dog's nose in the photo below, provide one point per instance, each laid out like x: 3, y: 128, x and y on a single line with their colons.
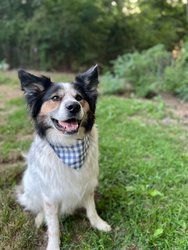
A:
x: 73, y: 107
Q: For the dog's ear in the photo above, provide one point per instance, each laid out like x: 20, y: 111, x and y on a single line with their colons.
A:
x: 89, y: 78
x: 31, y: 84
x: 34, y: 88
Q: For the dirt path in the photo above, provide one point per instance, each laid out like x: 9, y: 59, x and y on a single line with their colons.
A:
x: 176, y: 107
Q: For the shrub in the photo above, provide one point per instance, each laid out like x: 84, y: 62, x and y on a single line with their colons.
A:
x: 112, y: 84
x: 144, y: 71
x: 176, y: 75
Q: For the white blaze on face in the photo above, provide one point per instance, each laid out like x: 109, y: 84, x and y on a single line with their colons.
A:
x: 69, y: 93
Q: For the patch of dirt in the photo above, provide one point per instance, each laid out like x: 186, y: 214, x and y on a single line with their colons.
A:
x: 176, y: 107
x: 11, y: 165
x: 132, y: 247
x: 42, y: 244
x: 13, y: 157
x: 21, y: 137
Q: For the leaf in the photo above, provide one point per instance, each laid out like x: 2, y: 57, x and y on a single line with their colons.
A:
x: 155, y: 193
x: 184, y: 225
x: 130, y: 188
x: 158, y: 232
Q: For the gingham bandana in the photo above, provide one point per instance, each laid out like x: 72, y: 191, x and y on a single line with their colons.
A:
x: 73, y: 156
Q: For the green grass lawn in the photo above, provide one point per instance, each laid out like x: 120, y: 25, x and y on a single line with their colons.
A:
x: 143, y: 191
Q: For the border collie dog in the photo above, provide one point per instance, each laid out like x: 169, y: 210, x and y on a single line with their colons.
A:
x: 62, y: 163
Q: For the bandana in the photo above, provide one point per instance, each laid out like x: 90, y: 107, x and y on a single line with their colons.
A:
x: 73, y: 156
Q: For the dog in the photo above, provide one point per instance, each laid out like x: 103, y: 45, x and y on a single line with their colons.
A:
x: 62, y: 162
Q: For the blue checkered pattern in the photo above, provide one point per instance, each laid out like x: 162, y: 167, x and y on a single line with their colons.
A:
x: 73, y: 156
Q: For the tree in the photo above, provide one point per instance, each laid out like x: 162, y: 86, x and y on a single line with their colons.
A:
x: 66, y: 35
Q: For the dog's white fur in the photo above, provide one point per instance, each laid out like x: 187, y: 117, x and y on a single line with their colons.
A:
x: 49, y: 188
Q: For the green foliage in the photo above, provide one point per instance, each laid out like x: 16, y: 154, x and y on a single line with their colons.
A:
x: 144, y: 71
x: 150, y: 71
x: 111, y: 84
x: 176, y: 75
x: 61, y: 34
x: 161, y: 22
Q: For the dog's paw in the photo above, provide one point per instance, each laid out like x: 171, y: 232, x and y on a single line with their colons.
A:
x: 102, y: 225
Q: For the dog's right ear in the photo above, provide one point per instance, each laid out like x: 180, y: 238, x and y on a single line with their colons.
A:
x: 33, y: 85
x: 34, y: 88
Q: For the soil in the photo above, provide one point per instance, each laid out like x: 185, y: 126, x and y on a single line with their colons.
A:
x: 177, y: 107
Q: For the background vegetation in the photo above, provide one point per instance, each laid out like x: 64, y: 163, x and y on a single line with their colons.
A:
x: 149, y: 73
x: 67, y: 35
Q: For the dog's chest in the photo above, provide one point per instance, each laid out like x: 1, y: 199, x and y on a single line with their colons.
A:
x: 59, y: 181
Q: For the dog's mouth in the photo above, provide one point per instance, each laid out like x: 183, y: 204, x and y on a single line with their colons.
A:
x: 69, y: 126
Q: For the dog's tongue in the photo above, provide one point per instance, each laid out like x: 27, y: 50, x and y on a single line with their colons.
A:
x: 69, y: 126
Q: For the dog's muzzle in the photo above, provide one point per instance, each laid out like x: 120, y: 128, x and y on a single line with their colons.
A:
x: 69, y: 126
x: 71, y: 123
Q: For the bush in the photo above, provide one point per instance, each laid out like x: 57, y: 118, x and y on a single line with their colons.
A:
x: 144, y: 71
x: 176, y: 75
x: 112, y: 84
x: 152, y: 71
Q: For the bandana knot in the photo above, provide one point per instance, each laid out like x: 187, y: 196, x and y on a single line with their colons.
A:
x: 73, y: 156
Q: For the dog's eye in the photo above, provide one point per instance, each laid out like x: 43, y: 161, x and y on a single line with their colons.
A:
x: 78, y: 97
x: 56, y: 98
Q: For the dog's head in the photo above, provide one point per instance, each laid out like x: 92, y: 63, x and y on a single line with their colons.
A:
x: 65, y: 108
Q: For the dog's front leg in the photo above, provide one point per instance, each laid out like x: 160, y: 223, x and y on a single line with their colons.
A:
x: 92, y: 215
x: 51, y: 217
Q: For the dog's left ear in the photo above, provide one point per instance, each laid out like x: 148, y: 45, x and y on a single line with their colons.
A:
x: 89, y: 78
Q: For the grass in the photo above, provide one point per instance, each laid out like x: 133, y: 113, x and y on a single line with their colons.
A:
x: 143, y: 190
